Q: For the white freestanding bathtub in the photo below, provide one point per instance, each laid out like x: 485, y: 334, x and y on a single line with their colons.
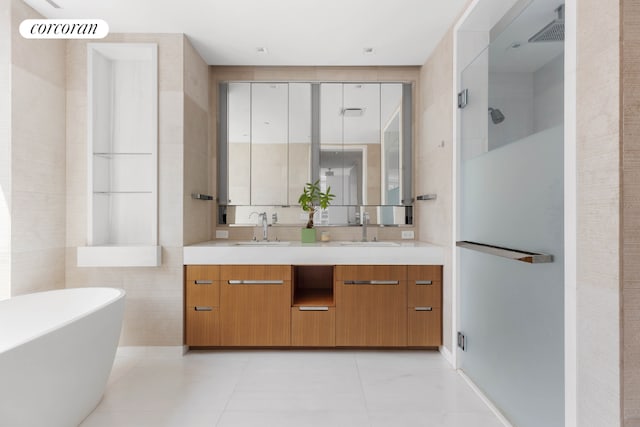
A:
x: 56, y: 353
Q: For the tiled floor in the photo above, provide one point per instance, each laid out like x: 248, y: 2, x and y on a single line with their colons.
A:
x: 289, y: 388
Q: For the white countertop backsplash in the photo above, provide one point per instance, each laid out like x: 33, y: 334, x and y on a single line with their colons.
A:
x: 297, y: 253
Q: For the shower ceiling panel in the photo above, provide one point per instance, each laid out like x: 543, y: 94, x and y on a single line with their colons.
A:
x: 510, y: 50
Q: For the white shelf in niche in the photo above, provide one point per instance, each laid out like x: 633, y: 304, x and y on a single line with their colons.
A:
x: 122, y: 228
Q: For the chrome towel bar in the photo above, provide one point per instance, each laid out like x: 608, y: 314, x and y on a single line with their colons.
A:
x: 514, y: 254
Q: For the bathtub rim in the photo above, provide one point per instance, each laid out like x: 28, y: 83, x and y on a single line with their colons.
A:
x: 120, y: 294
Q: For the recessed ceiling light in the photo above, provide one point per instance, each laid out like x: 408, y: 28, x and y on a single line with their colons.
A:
x: 262, y: 50
x: 368, y: 51
x: 54, y: 4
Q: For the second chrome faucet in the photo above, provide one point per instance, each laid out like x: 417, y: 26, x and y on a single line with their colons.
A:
x: 365, y: 222
x: 263, y: 217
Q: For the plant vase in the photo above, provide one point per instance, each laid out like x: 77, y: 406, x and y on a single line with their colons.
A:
x: 308, y: 235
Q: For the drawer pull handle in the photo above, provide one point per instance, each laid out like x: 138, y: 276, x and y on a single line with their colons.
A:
x: 424, y: 309
x: 424, y: 282
x: 202, y: 308
x: 256, y: 282
x: 313, y: 308
x: 204, y: 282
x: 371, y: 282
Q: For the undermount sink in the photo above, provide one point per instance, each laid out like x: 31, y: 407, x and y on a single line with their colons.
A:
x: 369, y: 244
x: 262, y: 243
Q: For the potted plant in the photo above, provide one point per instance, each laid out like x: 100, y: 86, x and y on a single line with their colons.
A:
x: 310, y: 199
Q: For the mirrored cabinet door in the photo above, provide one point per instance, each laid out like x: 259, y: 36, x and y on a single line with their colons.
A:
x: 299, y: 139
x: 331, y: 149
x: 239, y: 143
x: 390, y: 144
x: 361, y: 115
x: 269, y: 143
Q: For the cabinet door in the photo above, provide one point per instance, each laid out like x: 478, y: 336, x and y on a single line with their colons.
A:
x: 255, y: 305
x: 202, y: 312
x: 371, y: 306
x: 313, y: 326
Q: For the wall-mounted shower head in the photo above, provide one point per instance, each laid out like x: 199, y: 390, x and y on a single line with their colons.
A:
x: 496, y: 115
x: 553, y: 31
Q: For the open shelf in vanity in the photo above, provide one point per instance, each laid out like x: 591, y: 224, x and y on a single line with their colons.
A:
x: 313, y: 285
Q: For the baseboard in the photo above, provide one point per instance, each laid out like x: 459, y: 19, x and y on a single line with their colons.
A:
x: 486, y: 400
x: 448, y: 356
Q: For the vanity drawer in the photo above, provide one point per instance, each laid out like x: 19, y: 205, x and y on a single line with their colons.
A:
x: 202, y: 285
x: 424, y: 327
x: 424, y: 293
x: 254, y: 273
x: 202, y: 325
x: 313, y: 326
x: 424, y: 288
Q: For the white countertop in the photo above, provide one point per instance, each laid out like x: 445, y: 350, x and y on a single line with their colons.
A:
x: 296, y: 253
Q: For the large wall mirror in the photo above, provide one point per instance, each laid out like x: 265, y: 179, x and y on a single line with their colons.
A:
x: 356, y: 138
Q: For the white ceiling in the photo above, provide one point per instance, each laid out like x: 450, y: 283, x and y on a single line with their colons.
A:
x: 295, y: 32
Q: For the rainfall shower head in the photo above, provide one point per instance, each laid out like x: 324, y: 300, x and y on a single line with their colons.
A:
x: 553, y: 31
x: 496, y: 115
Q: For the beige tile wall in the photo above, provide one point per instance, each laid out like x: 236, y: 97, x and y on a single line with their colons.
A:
x: 598, y: 213
x: 5, y: 149
x: 38, y: 190
x: 197, y: 213
x: 631, y: 212
x: 434, y: 163
x: 153, y: 313
x: 361, y: 74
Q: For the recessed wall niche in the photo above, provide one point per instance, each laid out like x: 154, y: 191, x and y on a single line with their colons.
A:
x: 122, y: 147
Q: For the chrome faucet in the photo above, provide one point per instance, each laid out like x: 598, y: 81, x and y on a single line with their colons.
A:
x: 263, y: 217
x: 365, y: 221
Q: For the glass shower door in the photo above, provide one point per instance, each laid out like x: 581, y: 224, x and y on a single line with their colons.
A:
x: 511, y: 196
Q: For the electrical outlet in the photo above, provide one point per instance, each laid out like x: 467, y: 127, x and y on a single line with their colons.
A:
x: 407, y: 235
x: 222, y: 234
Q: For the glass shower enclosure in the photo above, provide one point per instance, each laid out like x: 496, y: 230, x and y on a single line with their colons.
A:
x: 510, y: 216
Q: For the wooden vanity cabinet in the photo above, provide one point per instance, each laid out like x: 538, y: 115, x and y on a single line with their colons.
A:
x: 313, y: 306
x: 424, y: 325
x: 202, y: 305
x: 255, y: 305
x: 371, y: 305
